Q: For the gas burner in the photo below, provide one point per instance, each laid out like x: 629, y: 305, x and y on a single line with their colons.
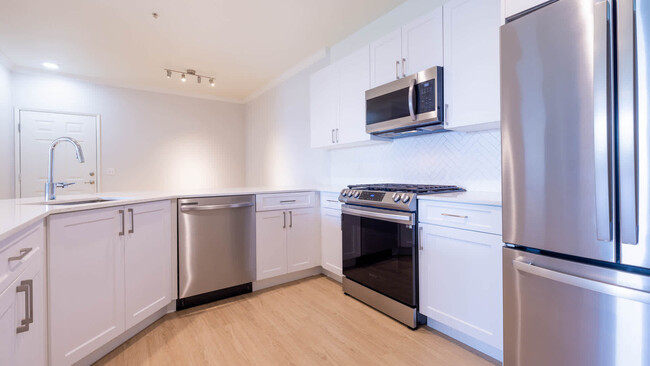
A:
x: 403, y: 197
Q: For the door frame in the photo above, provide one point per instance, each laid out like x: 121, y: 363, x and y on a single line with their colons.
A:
x: 17, y: 157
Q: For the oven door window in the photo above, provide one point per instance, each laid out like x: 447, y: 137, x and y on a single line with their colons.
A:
x: 381, y: 255
x: 387, y: 107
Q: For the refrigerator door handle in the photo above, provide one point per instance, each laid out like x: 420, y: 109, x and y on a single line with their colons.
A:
x: 585, y: 283
x: 602, y: 120
x: 627, y: 125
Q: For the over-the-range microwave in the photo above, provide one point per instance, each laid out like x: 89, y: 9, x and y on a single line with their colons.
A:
x: 406, y: 107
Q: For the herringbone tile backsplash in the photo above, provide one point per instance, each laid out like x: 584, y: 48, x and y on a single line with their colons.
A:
x: 471, y: 160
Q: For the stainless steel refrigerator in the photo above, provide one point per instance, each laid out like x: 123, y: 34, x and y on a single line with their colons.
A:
x: 576, y: 194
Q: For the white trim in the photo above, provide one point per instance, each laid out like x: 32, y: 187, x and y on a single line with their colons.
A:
x: 300, y: 66
x: 98, y: 144
x: 97, y: 81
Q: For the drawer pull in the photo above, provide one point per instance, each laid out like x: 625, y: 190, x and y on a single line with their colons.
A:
x: 452, y: 215
x: 288, y: 201
x: 333, y: 201
x: 26, y: 286
x: 23, y: 253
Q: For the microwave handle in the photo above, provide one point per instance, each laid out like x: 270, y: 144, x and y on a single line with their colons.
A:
x: 411, y: 108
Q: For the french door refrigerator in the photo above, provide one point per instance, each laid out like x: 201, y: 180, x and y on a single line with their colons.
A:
x: 575, y: 176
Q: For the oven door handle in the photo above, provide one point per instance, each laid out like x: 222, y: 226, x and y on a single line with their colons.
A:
x: 392, y: 217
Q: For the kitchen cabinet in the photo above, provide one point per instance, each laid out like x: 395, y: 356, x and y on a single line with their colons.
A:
x: 414, y: 47
x: 285, y: 239
x: 512, y: 7
x: 22, y: 301
x: 471, y: 64
x: 147, y: 260
x: 108, y: 269
x: 331, y: 239
x: 338, y: 102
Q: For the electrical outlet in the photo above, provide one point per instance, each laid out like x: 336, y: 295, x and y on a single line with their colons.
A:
x: 110, y: 171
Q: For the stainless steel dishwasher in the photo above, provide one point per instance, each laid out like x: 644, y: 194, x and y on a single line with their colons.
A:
x: 216, y: 248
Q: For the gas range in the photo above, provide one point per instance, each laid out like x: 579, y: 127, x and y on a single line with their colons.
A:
x: 402, y: 197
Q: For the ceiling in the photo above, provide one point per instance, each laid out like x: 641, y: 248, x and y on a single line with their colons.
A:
x: 243, y: 44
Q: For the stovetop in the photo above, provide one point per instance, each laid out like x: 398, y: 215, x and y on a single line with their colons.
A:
x: 402, y: 197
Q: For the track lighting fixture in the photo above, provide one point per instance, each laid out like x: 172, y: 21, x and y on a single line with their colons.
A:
x: 189, y: 72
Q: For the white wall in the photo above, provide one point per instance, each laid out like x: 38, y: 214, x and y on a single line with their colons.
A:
x: 277, y: 137
x: 153, y: 141
x: 6, y: 134
x: 471, y: 160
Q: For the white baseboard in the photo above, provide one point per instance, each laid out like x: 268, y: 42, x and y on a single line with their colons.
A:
x: 332, y: 275
x: 472, y: 342
x: 289, y: 277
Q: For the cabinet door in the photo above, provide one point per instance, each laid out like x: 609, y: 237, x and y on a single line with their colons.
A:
x: 471, y: 64
x: 513, y: 7
x: 324, y: 101
x: 303, y: 250
x: 422, y: 43
x: 147, y: 259
x: 331, y: 241
x: 86, y: 282
x: 271, y: 243
x: 385, y: 59
x: 24, y: 297
x: 460, y: 281
x: 354, y: 80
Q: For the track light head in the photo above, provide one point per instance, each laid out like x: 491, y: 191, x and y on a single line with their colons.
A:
x: 169, y: 74
x: 183, y: 77
x: 198, y: 79
x: 211, y: 82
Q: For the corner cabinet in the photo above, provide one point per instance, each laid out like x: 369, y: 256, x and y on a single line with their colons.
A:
x: 22, y: 299
x: 471, y: 64
x: 108, y: 270
x: 338, y: 102
x: 285, y: 227
x: 460, y: 269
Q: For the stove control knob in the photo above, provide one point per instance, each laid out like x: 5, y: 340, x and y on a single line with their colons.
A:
x: 357, y: 194
x: 396, y: 197
x: 405, y: 198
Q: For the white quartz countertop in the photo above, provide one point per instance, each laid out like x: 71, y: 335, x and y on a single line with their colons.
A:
x: 472, y: 197
x: 16, y: 214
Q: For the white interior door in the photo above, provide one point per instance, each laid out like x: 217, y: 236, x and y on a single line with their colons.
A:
x: 37, y: 131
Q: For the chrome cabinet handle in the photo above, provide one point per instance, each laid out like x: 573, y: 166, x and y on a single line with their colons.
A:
x: 420, y: 237
x: 403, y: 67
x: 121, y: 233
x: 582, y: 282
x: 216, y: 207
x: 332, y: 135
x: 132, y: 230
x: 452, y: 215
x: 333, y: 201
x: 411, y: 94
x: 627, y: 122
x: 446, y: 116
x: 284, y: 219
x: 288, y: 201
x: 397, y: 69
x: 602, y: 125
x: 23, y: 253
x: 290, y: 218
x: 27, y: 288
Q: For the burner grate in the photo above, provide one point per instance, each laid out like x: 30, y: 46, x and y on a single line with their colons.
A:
x: 411, y: 188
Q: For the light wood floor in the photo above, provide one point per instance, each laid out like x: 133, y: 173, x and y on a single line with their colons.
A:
x: 307, y: 322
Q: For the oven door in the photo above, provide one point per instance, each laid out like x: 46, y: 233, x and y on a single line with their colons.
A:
x: 380, y: 252
x: 407, y: 103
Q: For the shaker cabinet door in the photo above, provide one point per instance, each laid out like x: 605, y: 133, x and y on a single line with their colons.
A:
x: 271, y: 243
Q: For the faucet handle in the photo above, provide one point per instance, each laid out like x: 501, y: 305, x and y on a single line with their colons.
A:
x: 63, y: 185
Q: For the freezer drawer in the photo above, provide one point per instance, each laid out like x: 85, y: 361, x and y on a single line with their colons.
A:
x: 559, y: 313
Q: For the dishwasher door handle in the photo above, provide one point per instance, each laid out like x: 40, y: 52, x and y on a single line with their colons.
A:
x: 216, y: 207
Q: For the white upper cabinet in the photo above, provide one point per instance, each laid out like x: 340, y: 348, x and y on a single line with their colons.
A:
x: 324, y: 97
x: 386, y: 58
x: 512, y: 7
x: 471, y: 64
x: 422, y: 43
x: 353, y: 71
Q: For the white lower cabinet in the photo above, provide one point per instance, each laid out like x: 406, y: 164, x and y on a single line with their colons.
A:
x: 108, y: 269
x: 22, y: 307
x: 460, y: 281
x: 331, y: 238
x: 285, y: 239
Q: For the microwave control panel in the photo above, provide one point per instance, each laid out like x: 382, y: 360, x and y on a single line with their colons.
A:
x: 426, y: 94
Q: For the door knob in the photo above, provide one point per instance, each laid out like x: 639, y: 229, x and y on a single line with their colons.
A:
x: 92, y: 174
x: 90, y: 182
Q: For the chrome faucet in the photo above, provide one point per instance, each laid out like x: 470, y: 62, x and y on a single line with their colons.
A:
x: 50, y: 186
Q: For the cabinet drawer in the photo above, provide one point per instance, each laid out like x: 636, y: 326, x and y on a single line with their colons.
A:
x: 482, y: 218
x: 17, y: 252
x: 330, y: 200
x: 284, y: 201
